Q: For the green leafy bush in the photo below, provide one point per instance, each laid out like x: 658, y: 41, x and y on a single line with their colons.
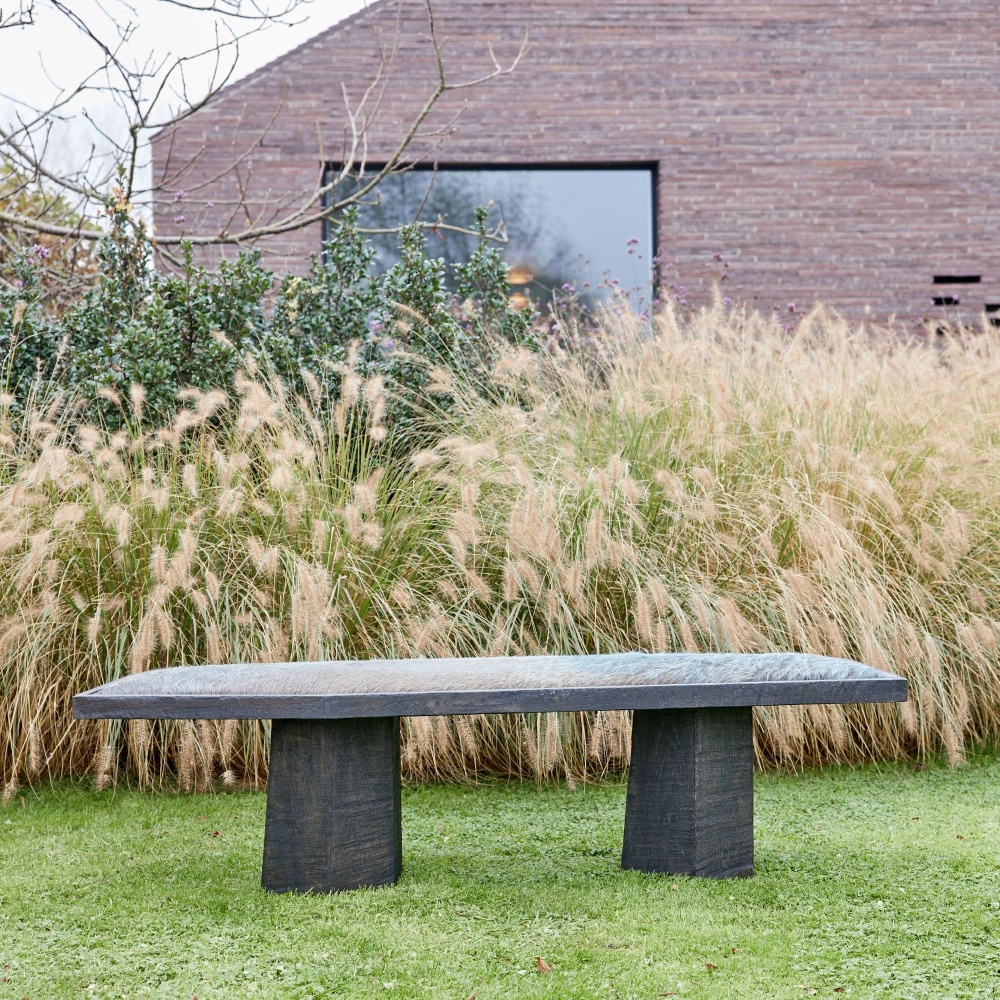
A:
x: 196, y: 329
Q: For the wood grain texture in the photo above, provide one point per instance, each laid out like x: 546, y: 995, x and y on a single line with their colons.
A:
x: 458, y: 686
x: 333, y: 805
x: 689, y: 809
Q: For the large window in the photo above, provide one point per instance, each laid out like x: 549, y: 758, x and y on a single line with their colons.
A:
x: 591, y: 228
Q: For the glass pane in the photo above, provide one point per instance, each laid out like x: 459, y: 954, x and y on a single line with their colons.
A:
x: 587, y: 228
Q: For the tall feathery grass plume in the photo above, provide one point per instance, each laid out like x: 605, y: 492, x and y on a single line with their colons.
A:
x: 713, y: 483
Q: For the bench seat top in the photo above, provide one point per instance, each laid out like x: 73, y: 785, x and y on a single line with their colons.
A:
x: 378, y: 688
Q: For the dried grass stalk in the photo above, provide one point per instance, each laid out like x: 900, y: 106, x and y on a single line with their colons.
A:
x: 721, y: 485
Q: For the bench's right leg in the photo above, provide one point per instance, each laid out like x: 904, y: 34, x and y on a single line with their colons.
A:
x: 333, y: 805
x: 689, y: 809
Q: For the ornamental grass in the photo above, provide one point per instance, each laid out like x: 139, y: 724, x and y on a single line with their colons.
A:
x: 716, y: 484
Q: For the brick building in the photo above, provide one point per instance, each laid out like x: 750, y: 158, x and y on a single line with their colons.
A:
x: 832, y: 150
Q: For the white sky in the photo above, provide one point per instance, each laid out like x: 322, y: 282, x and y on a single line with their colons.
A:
x: 35, y: 62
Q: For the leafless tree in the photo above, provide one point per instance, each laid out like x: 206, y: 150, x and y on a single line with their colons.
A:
x: 156, y: 94
x: 20, y: 16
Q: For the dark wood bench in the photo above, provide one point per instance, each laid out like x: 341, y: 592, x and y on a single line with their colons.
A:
x: 333, y: 796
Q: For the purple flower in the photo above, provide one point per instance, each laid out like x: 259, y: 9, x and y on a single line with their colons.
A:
x: 180, y: 195
x: 180, y: 218
x: 791, y: 307
x: 209, y: 204
x: 39, y: 252
x: 727, y: 301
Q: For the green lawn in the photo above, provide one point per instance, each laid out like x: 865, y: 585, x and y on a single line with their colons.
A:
x: 873, y: 882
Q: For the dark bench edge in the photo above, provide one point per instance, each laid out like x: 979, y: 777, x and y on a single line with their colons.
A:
x: 94, y: 705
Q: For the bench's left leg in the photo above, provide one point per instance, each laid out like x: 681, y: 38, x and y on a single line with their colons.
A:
x: 689, y: 809
x: 333, y: 805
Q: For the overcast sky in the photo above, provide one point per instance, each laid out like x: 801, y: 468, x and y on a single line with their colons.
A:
x: 36, y: 62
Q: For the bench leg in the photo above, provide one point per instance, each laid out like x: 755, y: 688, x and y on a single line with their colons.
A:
x: 689, y: 809
x: 333, y: 807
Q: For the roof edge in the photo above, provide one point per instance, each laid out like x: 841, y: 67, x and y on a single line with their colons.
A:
x: 231, y: 88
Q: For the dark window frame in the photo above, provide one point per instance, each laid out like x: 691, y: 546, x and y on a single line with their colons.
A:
x: 651, y: 166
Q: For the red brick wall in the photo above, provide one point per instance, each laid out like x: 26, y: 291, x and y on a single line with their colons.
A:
x: 835, y: 151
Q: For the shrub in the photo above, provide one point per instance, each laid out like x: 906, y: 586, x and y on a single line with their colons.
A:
x: 720, y: 486
x: 194, y: 329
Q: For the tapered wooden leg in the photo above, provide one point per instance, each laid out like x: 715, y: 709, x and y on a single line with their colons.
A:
x: 333, y: 805
x: 689, y: 809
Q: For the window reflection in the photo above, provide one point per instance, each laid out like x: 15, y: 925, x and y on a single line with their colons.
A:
x: 588, y: 229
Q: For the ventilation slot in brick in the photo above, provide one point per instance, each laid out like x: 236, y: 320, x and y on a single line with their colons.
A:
x: 993, y: 313
x: 945, y: 300
x: 957, y: 279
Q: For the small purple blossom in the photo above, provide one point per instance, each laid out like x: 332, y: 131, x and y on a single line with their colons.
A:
x: 180, y: 195
x: 180, y: 218
x: 791, y: 307
x: 209, y: 204
x: 40, y: 252
x: 727, y: 301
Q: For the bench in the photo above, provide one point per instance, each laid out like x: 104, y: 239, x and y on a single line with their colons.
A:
x: 333, y: 797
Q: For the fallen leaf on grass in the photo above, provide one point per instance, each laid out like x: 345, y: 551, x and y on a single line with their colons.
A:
x: 958, y: 836
x: 839, y: 989
x: 710, y: 966
x: 734, y: 951
x: 543, y: 966
x: 670, y: 994
x: 471, y: 996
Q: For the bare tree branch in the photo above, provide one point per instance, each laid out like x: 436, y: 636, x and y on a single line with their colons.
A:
x: 154, y: 96
x: 21, y: 17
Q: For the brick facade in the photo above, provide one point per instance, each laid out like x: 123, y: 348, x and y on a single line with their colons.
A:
x: 836, y: 151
